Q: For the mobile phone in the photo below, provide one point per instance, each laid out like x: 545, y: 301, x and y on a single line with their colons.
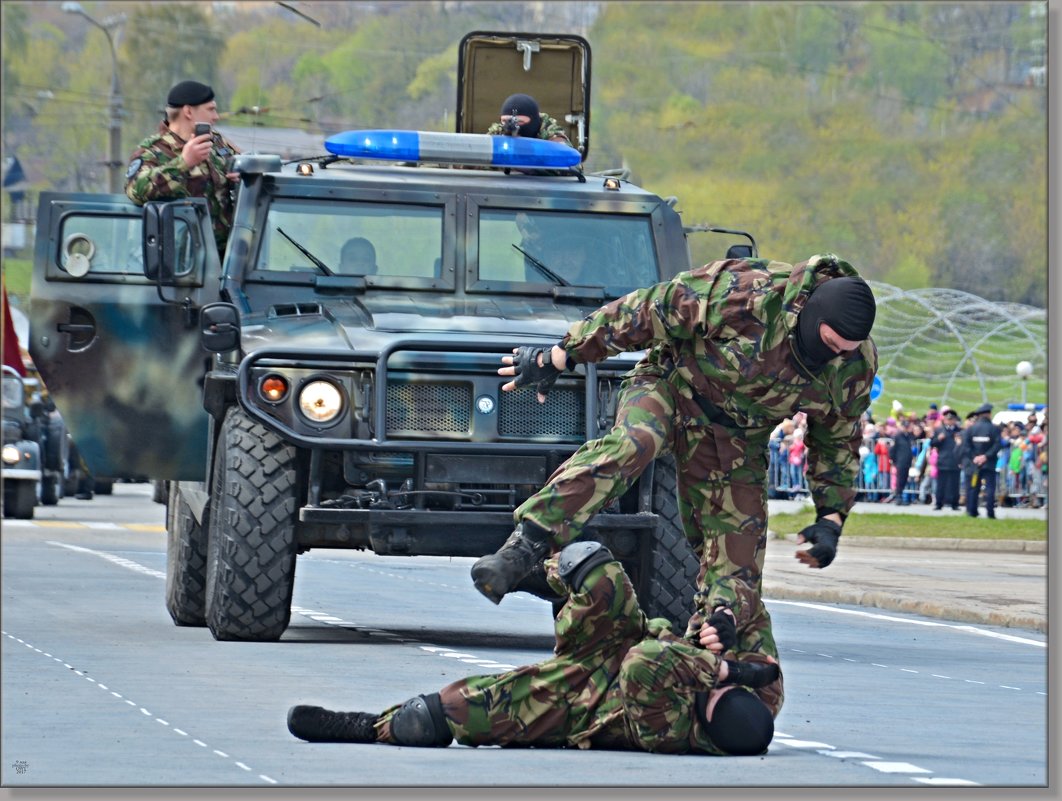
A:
x: 202, y: 128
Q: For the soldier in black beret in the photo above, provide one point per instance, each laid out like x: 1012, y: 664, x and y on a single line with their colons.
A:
x: 175, y: 163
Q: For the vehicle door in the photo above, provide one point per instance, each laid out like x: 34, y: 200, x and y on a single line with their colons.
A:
x: 553, y: 69
x: 119, y: 354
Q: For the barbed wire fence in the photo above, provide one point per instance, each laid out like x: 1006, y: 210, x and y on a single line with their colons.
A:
x: 947, y: 346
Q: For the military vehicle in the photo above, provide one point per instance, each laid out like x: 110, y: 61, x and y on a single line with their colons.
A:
x: 296, y: 402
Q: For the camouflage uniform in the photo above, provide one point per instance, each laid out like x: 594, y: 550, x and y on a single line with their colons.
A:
x: 720, y: 372
x: 617, y: 680
x: 550, y: 128
x: 158, y: 172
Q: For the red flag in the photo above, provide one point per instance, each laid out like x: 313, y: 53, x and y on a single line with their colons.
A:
x: 12, y: 355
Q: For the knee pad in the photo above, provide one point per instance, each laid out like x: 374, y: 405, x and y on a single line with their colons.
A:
x: 420, y: 721
x: 576, y: 561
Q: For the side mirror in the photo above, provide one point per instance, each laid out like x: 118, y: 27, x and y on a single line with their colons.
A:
x: 219, y: 327
x: 739, y: 252
x: 173, y: 245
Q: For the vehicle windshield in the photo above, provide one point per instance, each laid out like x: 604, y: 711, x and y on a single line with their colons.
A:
x: 611, y: 251
x: 369, y: 239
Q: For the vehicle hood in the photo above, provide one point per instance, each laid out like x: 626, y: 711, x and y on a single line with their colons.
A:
x: 368, y: 323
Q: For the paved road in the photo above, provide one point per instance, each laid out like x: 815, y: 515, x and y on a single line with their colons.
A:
x: 100, y: 688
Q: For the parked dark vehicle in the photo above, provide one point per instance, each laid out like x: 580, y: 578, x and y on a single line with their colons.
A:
x: 291, y: 404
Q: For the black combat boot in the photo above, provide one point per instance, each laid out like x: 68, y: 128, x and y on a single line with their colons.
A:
x: 498, y: 573
x: 318, y: 725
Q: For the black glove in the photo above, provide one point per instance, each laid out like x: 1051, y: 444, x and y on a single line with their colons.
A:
x: 725, y: 628
x: 751, y: 674
x: 823, y: 534
x: 528, y: 370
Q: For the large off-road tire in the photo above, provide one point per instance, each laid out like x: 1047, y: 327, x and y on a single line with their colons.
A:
x: 20, y: 498
x: 251, y: 545
x: 667, y: 576
x: 103, y: 486
x: 186, y: 558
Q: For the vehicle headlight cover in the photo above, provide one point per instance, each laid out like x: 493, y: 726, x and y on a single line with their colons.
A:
x: 11, y: 454
x: 321, y: 401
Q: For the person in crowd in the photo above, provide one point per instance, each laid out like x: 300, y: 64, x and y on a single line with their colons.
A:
x: 731, y: 349
x: 176, y: 162
x: 616, y: 680
x: 901, y: 454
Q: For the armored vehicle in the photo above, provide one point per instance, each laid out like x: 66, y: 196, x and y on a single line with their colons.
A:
x: 296, y: 397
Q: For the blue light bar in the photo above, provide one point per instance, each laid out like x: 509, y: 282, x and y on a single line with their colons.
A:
x: 453, y: 148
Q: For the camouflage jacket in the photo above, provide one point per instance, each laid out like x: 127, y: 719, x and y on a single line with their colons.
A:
x: 550, y: 128
x: 725, y: 333
x: 157, y: 171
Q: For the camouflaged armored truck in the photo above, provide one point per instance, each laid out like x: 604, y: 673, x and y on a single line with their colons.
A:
x: 297, y: 400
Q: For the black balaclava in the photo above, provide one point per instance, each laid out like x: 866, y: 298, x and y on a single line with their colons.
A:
x: 846, y: 305
x: 520, y: 104
x: 741, y: 723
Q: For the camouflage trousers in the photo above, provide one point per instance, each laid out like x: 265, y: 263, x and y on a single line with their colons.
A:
x: 616, y: 680
x: 722, y: 486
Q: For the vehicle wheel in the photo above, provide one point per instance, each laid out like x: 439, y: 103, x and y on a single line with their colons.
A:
x: 20, y: 498
x: 50, y: 490
x: 251, y: 545
x: 667, y: 581
x: 103, y: 486
x: 186, y: 555
x: 160, y: 491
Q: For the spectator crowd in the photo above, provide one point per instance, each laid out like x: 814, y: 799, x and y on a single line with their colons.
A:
x: 900, y: 464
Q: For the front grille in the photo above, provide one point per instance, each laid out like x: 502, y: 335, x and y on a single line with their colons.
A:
x: 562, y: 416
x: 425, y: 408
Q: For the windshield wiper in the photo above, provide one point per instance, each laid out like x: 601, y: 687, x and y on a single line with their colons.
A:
x: 320, y: 265
x: 542, y: 268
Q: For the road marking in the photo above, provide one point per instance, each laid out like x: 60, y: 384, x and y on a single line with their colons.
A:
x: 86, y: 524
x: 133, y: 704
x: 910, y: 670
x: 896, y: 767
x: 933, y: 623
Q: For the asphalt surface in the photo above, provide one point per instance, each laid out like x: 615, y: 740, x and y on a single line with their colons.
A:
x: 990, y: 582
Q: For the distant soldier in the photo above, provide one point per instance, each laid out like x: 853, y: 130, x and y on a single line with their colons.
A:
x: 980, y: 446
x: 616, y: 680
x: 733, y: 348
x: 175, y: 163
x: 520, y: 117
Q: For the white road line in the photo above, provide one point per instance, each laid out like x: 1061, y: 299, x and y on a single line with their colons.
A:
x: 931, y: 623
x: 131, y: 703
x: 896, y: 767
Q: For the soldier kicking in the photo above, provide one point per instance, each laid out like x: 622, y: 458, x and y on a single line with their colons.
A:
x: 731, y: 349
x: 617, y: 680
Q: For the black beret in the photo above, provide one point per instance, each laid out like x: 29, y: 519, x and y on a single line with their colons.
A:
x: 189, y: 93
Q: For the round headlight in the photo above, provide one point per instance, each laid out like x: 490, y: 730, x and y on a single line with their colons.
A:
x: 320, y: 401
x: 10, y: 454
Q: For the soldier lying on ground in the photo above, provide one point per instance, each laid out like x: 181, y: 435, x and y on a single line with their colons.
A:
x: 733, y: 348
x: 617, y: 680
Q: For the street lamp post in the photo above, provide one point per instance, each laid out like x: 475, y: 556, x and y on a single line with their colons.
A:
x: 116, y: 162
x: 1024, y: 370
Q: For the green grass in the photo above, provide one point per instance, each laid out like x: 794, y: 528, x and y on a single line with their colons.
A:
x: 17, y: 279
x: 901, y: 525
